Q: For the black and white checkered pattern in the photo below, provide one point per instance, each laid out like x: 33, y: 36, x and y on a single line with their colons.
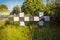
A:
x: 23, y: 18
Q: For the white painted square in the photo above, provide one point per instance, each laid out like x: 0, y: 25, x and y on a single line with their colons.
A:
x: 47, y: 18
x: 22, y: 14
x: 22, y: 23
x: 16, y: 18
x: 36, y: 18
x: 41, y: 23
x: 41, y: 14
x: 26, y: 18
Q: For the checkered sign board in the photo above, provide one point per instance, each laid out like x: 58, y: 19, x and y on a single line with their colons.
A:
x: 22, y: 18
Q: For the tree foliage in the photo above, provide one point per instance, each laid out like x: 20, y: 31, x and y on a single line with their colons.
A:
x: 32, y: 6
x: 16, y: 10
x: 3, y: 7
x: 49, y: 8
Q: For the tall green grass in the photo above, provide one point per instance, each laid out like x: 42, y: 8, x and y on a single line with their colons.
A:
x: 12, y: 31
